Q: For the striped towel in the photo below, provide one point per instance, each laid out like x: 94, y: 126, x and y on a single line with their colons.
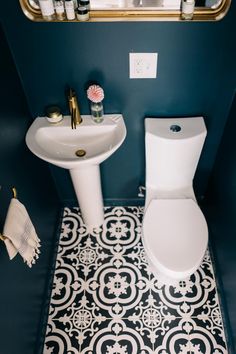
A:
x: 20, y: 234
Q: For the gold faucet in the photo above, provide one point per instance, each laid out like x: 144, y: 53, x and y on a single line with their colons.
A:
x: 74, y: 109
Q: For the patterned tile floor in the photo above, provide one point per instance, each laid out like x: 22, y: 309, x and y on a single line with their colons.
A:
x: 105, y: 300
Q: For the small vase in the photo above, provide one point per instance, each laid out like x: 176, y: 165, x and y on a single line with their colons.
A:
x: 97, y: 112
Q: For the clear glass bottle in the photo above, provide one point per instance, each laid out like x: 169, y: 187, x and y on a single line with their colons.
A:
x: 60, y: 10
x: 70, y: 10
x: 97, y: 111
x: 187, y: 9
x: 47, y: 9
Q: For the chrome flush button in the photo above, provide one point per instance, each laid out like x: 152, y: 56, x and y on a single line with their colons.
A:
x: 175, y: 128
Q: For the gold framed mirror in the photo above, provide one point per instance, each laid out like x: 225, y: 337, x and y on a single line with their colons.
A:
x: 138, y: 10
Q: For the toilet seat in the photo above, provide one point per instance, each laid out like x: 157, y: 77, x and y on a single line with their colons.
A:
x: 175, y: 236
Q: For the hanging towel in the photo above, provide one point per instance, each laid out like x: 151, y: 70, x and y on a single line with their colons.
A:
x: 20, y: 233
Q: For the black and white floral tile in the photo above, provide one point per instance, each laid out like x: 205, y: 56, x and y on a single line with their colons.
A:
x: 105, y: 299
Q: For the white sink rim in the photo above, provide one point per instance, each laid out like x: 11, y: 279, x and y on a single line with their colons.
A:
x: 111, y: 133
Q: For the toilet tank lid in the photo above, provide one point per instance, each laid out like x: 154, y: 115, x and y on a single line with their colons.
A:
x: 175, y: 128
x: 175, y: 233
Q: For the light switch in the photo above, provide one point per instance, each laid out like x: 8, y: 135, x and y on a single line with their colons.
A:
x: 143, y: 65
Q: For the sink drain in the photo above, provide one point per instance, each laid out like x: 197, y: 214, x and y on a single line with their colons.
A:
x: 80, y: 153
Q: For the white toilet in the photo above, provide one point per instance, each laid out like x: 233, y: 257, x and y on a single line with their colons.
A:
x: 175, y: 233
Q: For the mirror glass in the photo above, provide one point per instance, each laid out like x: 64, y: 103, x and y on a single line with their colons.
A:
x: 148, y: 4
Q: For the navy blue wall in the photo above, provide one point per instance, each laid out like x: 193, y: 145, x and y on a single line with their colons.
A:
x: 22, y: 289
x: 221, y: 212
x: 196, y: 75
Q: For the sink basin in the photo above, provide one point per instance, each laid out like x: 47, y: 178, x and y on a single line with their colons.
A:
x: 61, y: 145
x: 81, y: 151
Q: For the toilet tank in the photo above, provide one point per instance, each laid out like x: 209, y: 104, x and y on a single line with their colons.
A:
x: 173, y: 148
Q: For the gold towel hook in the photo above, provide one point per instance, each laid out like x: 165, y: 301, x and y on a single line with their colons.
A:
x: 14, y: 192
x: 3, y: 238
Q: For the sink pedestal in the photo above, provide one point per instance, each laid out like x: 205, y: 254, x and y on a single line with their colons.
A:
x: 62, y: 146
x: 87, y: 185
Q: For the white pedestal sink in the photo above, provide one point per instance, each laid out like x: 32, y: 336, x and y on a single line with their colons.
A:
x: 81, y: 151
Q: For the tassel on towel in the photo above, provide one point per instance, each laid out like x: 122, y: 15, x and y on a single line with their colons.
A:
x: 20, y: 234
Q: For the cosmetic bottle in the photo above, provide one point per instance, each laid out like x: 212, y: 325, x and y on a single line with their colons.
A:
x: 82, y: 13
x: 187, y: 9
x: 60, y: 11
x: 53, y: 114
x: 70, y: 10
x: 85, y: 3
x: 47, y: 9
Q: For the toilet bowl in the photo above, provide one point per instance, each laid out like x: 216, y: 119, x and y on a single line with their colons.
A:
x: 174, y: 230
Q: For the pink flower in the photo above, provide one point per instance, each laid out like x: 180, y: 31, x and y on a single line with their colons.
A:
x: 95, y: 93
